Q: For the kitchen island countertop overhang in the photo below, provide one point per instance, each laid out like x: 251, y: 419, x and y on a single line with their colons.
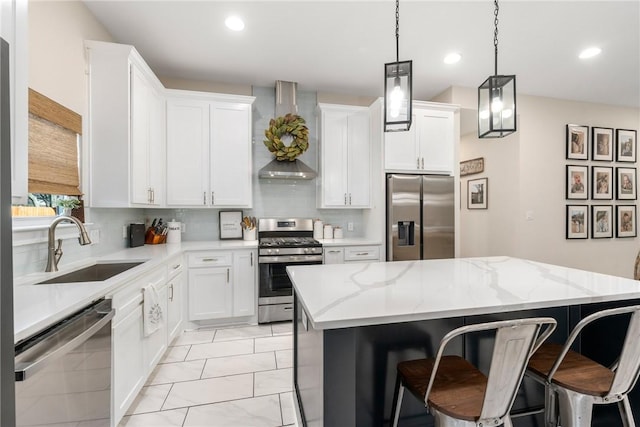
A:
x: 343, y: 295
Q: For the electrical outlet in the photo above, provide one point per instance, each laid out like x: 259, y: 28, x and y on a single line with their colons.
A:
x: 94, y: 235
x: 349, y: 226
x: 124, y: 231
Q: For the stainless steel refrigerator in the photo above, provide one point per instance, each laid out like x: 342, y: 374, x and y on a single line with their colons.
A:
x: 7, y: 397
x: 420, y: 217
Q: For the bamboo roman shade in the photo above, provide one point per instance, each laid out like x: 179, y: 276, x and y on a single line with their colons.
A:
x: 53, y: 147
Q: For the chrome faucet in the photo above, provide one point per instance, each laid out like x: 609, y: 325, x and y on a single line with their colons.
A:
x: 54, y: 254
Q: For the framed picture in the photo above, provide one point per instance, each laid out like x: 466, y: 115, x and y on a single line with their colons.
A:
x: 626, y: 183
x: 473, y: 166
x: 626, y: 145
x: 602, y: 144
x: 577, y: 182
x: 602, y: 183
x: 626, y: 221
x: 477, y: 190
x: 601, y: 222
x: 230, y: 225
x: 577, y: 220
x: 577, y: 142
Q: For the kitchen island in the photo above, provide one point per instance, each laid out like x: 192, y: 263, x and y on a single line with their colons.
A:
x: 355, y: 322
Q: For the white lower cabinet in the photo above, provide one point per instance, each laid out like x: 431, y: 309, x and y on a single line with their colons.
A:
x: 175, y: 289
x: 128, y: 362
x: 349, y: 254
x: 134, y: 355
x: 222, y: 284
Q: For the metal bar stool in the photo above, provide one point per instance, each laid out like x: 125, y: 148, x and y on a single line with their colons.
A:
x: 456, y: 393
x: 574, y: 383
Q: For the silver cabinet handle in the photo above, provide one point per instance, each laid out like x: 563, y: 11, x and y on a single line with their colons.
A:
x: 345, y: 198
x: 171, y: 296
x: 212, y: 199
x: 251, y: 259
x: 362, y: 253
x: 349, y: 199
x: 209, y: 259
x: 227, y: 275
x: 177, y: 266
x: 334, y: 252
x: 418, y: 163
x: 204, y: 198
x: 423, y: 163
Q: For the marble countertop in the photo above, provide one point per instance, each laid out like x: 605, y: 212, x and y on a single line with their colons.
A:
x: 349, y: 241
x: 38, y: 306
x: 351, y: 295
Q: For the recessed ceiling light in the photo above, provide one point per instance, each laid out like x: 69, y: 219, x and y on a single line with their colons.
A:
x: 234, y: 23
x: 452, y: 58
x: 590, y: 52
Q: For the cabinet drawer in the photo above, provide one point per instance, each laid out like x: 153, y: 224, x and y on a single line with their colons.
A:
x: 362, y: 253
x: 210, y: 259
x: 175, y: 266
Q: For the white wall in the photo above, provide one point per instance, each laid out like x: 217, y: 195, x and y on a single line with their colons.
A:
x: 57, y: 30
x: 526, y: 174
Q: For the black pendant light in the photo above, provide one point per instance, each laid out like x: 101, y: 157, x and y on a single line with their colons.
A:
x: 397, y: 89
x: 497, y: 98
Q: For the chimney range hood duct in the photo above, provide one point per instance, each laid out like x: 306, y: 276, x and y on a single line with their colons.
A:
x: 286, y: 103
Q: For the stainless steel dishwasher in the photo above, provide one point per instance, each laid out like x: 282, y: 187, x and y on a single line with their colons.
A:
x: 63, y: 374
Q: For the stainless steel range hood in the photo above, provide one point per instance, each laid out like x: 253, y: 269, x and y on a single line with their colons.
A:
x: 297, y: 169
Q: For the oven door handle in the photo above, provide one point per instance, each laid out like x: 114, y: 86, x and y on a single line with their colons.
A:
x: 289, y: 259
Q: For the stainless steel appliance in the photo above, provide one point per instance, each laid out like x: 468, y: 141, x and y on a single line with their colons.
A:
x: 63, y: 374
x: 420, y: 217
x: 282, y: 242
x: 7, y: 412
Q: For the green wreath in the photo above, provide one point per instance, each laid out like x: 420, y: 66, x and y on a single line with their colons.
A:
x: 290, y: 125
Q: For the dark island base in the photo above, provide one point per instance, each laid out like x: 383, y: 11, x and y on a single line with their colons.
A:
x: 346, y: 377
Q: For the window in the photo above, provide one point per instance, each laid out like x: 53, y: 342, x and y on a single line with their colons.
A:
x: 54, y: 139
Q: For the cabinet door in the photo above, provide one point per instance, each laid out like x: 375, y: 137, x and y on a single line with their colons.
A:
x: 244, y: 284
x: 141, y: 107
x: 230, y: 125
x: 156, y: 344
x: 435, y: 138
x: 334, y: 158
x: 210, y: 293
x: 174, y: 306
x: 333, y: 256
x: 187, y: 153
x: 401, y: 149
x: 359, y: 161
x: 128, y: 362
x: 157, y: 149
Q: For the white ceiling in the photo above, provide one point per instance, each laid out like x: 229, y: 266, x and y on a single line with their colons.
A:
x: 341, y: 46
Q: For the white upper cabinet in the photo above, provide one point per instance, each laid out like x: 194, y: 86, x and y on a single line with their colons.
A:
x: 126, y: 128
x: 345, y: 157
x: 208, y: 150
x: 429, y: 146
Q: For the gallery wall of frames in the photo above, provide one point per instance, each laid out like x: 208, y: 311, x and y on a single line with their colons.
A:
x: 601, y: 182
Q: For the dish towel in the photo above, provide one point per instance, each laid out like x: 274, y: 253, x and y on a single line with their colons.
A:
x: 152, y: 311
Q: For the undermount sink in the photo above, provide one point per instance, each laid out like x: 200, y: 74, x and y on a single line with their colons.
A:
x: 93, y: 273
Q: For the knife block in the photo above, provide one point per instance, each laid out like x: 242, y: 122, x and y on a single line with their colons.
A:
x: 151, y: 238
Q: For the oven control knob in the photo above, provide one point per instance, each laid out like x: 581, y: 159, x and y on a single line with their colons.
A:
x: 277, y: 251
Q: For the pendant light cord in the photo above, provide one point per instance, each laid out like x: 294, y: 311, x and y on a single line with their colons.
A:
x: 495, y: 35
x: 398, y: 30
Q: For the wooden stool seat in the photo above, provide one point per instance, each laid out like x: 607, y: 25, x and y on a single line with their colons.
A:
x: 576, y: 372
x: 458, y: 390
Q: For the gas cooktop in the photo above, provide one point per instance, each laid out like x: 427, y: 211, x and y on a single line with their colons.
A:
x: 288, y: 242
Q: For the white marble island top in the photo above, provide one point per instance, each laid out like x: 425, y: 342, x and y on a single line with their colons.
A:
x: 350, y: 295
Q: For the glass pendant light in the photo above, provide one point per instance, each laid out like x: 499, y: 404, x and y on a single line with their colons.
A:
x: 497, y: 98
x: 397, y: 89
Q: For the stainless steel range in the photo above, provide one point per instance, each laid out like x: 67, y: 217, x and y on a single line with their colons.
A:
x: 282, y: 242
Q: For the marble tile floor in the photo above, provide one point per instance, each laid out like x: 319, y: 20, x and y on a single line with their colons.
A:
x: 236, y: 376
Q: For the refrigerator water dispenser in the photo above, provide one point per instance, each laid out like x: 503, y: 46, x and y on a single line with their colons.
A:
x: 406, y: 236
